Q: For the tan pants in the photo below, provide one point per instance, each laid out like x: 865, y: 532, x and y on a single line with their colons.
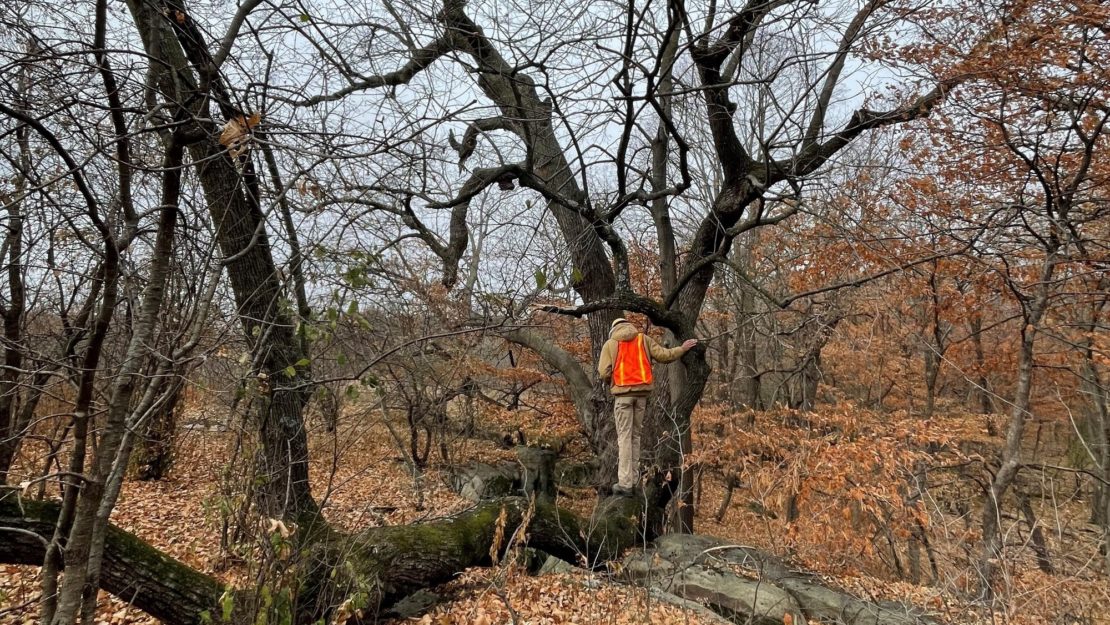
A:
x: 628, y: 412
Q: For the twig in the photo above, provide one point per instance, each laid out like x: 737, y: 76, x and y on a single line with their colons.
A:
x: 1068, y: 469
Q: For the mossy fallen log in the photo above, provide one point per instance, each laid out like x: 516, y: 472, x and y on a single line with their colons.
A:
x: 382, y: 565
x: 133, y: 570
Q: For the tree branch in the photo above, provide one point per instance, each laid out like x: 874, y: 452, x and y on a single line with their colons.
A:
x: 817, y: 122
x: 631, y: 302
x: 421, y: 60
x: 233, y: 31
x: 581, y: 384
x: 470, y: 137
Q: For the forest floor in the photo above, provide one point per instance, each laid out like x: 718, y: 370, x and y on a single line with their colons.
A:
x: 363, y: 481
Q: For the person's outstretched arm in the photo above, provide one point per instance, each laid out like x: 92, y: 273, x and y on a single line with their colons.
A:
x: 668, y: 354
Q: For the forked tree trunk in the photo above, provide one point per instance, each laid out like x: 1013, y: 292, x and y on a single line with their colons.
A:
x: 1011, y: 453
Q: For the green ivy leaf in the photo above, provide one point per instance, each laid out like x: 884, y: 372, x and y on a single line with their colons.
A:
x: 290, y: 371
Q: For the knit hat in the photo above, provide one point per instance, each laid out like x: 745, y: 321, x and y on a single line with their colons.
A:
x: 618, y: 321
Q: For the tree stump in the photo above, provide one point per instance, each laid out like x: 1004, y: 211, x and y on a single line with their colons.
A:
x: 537, y: 476
x: 479, y: 481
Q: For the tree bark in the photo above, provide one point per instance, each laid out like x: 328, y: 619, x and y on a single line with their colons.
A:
x: 1011, y: 453
x: 393, y: 562
x: 231, y: 192
x: 132, y: 569
x: 530, y: 117
x: 11, y: 430
x: 1040, y: 545
x: 156, y: 447
x: 398, y: 560
x: 1097, y: 430
x: 936, y: 346
x: 748, y: 381
x: 986, y: 406
x: 84, y: 547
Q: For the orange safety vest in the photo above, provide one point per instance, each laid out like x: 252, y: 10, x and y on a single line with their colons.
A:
x: 632, y: 367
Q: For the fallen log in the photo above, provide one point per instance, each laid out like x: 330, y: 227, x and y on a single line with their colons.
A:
x: 386, y: 564
x: 703, y: 569
x: 133, y: 570
x: 533, y: 473
x: 382, y: 565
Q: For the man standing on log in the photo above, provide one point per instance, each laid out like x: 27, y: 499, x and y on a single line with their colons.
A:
x: 626, y: 360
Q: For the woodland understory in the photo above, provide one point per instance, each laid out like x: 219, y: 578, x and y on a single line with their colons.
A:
x: 370, y: 484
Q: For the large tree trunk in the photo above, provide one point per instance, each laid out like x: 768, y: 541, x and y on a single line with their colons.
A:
x: 280, y: 398
x: 131, y: 569
x: 401, y: 559
x: 231, y: 192
x: 529, y: 116
x: 675, y: 429
x: 702, y: 569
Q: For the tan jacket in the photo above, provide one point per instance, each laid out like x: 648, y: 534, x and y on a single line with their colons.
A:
x: 627, y: 332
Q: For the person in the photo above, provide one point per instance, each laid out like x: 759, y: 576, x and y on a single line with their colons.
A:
x: 626, y: 362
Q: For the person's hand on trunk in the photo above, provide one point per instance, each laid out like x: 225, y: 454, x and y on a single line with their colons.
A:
x: 689, y: 344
